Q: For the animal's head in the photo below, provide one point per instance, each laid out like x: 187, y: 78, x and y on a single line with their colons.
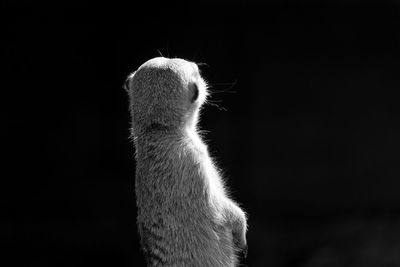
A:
x: 165, y: 94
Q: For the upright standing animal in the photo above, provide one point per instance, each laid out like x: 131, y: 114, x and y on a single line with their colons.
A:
x: 185, y: 217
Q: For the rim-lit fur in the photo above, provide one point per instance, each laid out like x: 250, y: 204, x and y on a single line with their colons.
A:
x: 185, y: 217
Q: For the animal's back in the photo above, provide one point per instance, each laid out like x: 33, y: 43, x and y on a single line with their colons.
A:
x: 179, y: 223
x: 184, y: 215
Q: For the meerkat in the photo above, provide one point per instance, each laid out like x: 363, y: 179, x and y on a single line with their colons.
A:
x: 185, y: 217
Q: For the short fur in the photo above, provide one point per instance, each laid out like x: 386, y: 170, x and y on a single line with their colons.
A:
x: 185, y: 217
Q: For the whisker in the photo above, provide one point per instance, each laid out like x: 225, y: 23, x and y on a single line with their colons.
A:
x: 216, y: 105
x: 214, y: 101
x: 201, y: 64
x: 228, y: 90
x: 234, y: 83
x: 223, y: 91
x: 160, y: 53
x: 167, y: 50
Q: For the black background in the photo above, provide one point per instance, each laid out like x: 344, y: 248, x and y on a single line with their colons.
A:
x: 304, y: 121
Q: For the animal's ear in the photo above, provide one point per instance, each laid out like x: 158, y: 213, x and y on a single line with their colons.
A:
x: 127, y: 82
x: 193, y: 92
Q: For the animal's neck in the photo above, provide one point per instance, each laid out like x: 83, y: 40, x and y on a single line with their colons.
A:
x: 165, y: 139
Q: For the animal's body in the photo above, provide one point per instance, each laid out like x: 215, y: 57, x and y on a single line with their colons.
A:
x: 185, y: 217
